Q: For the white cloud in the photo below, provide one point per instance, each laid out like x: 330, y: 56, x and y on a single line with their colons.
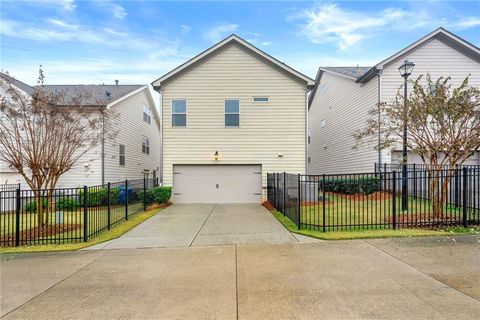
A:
x: 219, y: 32
x: 67, y: 5
x: 185, y: 29
x: 330, y: 23
x: 346, y: 28
x: 118, y: 11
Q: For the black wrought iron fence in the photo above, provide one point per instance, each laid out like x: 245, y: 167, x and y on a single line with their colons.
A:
x: 29, y: 217
x: 374, y: 200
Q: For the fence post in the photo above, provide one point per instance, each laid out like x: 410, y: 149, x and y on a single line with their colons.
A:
x: 323, y: 202
x: 284, y: 192
x: 85, y: 214
x: 415, y: 181
x: 299, y: 202
x: 108, y: 206
x: 126, y: 200
x: 17, y: 217
x: 394, y: 200
x: 457, y: 188
x: 464, y: 192
x: 144, y: 193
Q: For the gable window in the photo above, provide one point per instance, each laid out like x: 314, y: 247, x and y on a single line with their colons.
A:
x: 179, y: 113
x: 260, y: 99
x: 121, y: 155
x: 147, y: 116
x: 145, y: 145
x: 232, y: 113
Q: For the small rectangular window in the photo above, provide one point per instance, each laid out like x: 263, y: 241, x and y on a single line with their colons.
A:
x: 147, y: 114
x: 260, y: 99
x: 121, y: 154
x: 179, y: 113
x: 145, y: 145
x: 232, y: 113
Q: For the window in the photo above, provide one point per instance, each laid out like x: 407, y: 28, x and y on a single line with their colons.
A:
x: 232, y: 113
x: 121, y: 157
x: 260, y: 99
x: 309, y: 134
x: 179, y: 113
x: 147, y: 114
x: 145, y: 145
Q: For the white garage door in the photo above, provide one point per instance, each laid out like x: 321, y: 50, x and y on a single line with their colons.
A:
x: 217, y: 183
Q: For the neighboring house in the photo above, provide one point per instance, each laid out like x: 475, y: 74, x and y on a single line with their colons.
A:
x: 230, y: 115
x: 136, y: 148
x: 339, y: 104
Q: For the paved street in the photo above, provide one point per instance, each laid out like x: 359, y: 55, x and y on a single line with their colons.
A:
x: 421, y: 278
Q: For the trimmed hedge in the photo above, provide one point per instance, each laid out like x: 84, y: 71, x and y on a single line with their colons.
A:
x: 67, y: 203
x: 157, y: 195
x: 353, y: 186
x: 97, y: 197
x: 31, y: 206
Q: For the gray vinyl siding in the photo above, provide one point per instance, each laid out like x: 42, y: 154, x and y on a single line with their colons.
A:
x: 344, y: 106
x: 266, y: 129
x: 131, y: 131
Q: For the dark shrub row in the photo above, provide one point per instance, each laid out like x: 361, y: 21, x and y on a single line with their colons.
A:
x: 353, y: 186
x: 157, y: 195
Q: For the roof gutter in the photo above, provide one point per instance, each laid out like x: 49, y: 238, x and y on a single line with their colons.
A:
x: 367, y: 76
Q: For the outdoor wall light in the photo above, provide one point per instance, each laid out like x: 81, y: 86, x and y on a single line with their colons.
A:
x: 215, y: 156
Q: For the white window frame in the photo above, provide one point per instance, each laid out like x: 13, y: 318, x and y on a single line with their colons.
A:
x: 225, y: 113
x: 172, y: 113
x: 120, y: 155
x: 147, y: 114
x: 145, y: 145
x: 262, y: 97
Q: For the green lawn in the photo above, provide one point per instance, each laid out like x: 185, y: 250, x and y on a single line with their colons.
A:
x: 367, y: 213
x: 365, y: 234
x: 97, y: 220
x: 114, y: 233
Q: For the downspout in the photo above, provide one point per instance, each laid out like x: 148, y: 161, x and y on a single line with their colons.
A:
x: 379, y: 84
x: 103, y: 147
x: 306, y: 131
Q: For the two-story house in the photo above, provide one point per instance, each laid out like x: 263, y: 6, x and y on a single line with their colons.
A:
x: 230, y: 115
x: 339, y: 104
x: 134, y: 151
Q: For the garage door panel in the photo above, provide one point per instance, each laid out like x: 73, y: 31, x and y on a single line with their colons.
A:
x: 217, y: 183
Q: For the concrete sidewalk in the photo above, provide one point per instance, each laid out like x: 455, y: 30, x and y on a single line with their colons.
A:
x: 374, y: 279
x: 185, y: 225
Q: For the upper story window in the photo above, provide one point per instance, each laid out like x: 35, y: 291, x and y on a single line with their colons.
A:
x: 147, y: 114
x: 145, y: 145
x: 179, y: 113
x: 121, y: 155
x: 260, y: 99
x: 232, y: 113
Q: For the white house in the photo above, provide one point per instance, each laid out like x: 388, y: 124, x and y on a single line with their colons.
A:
x: 340, y: 101
x: 230, y: 115
x: 135, y: 150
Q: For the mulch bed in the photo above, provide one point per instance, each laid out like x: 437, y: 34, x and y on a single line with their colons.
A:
x: 362, y: 197
x: 40, y: 232
x: 159, y: 206
x: 423, y: 219
x: 268, y: 205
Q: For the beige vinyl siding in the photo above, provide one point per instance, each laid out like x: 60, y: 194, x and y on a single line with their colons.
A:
x: 436, y: 58
x: 266, y: 129
x: 132, y: 128
x: 344, y: 107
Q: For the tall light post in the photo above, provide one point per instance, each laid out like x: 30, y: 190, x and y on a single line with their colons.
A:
x: 405, y: 70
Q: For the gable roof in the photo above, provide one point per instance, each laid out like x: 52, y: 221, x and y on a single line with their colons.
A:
x: 93, y: 95
x: 19, y: 84
x: 233, y: 39
x: 363, y: 74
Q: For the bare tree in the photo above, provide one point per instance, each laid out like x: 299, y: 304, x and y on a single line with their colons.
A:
x: 443, y: 128
x: 42, y: 138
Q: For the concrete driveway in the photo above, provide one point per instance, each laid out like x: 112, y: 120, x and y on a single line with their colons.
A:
x: 416, y: 278
x: 185, y: 225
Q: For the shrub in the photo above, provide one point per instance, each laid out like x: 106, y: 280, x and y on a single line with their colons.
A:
x: 67, y: 203
x: 353, y: 186
x: 31, y: 206
x: 157, y: 195
x: 97, y: 197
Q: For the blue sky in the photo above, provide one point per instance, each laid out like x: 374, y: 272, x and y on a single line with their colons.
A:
x: 138, y: 41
